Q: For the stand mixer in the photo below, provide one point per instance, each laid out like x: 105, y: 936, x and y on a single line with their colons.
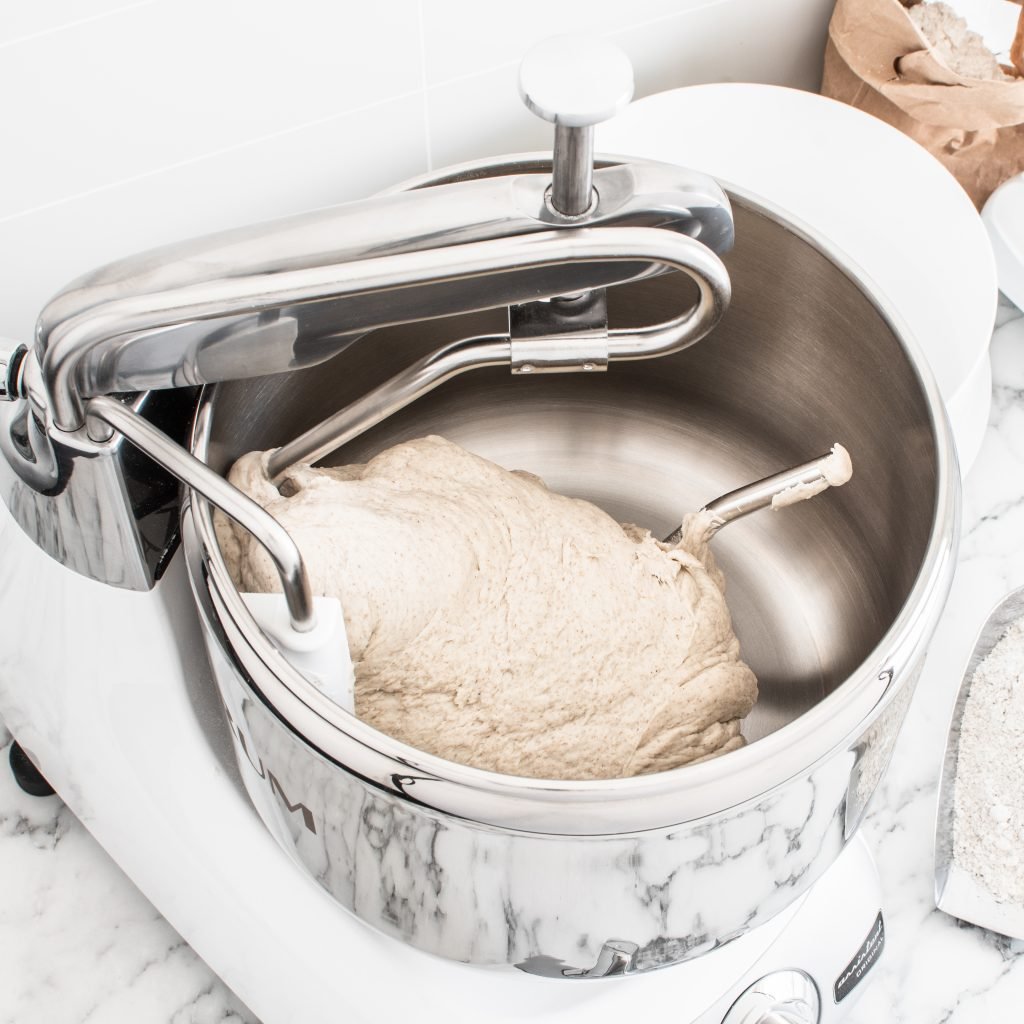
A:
x: 552, y: 273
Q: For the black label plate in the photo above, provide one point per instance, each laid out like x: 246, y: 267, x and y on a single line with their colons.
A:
x: 867, y: 955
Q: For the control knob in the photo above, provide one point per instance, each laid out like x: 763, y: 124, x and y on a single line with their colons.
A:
x: 782, y: 997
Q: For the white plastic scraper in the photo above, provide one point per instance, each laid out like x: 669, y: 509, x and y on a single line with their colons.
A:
x: 308, y: 630
x: 320, y: 654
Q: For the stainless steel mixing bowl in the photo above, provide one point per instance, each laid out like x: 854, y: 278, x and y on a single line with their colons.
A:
x: 833, y: 602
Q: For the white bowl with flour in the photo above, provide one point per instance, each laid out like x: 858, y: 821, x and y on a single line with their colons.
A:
x: 876, y: 194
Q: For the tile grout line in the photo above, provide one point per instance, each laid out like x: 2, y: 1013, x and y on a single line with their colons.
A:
x: 479, y: 73
x: 199, y: 158
x: 76, y: 23
x: 667, y: 17
x: 423, y: 92
x: 505, y: 64
x: 428, y: 144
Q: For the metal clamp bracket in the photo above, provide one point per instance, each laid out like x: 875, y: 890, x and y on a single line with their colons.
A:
x: 567, y: 334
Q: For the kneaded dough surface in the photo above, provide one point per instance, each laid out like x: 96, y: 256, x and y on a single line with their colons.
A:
x: 500, y: 625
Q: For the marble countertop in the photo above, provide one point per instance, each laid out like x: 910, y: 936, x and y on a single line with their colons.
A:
x: 79, y: 943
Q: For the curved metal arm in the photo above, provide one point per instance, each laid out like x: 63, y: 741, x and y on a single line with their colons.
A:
x: 659, y: 247
x: 396, y: 393
x: 274, y: 538
x: 210, y: 309
x: 80, y: 341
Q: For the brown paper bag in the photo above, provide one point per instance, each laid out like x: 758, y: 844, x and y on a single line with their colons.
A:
x: 876, y: 59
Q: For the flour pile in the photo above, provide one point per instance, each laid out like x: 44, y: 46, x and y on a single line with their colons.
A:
x: 954, y: 44
x: 499, y: 625
x: 988, y: 795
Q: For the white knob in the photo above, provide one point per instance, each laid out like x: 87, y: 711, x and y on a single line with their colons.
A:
x: 576, y: 81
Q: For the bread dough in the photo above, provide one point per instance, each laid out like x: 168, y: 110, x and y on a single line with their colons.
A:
x: 500, y: 625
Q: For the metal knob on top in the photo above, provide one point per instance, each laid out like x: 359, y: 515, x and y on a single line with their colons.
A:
x: 575, y: 82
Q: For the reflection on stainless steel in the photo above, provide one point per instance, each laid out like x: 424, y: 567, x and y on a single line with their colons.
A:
x: 758, y: 495
x: 149, y: 321
x: 833, y: 604
x: 274, y: 538
x: 572, y: 179
x: 103, y: 510
x: 616, y: 958
x: 11, y: 361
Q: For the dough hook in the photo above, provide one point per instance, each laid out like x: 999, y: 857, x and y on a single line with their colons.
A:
x: 779, y: 491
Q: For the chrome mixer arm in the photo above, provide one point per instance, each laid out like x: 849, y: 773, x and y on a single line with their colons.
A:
x: 292, y: 293
x: 285, y: 295
x: 541, y: 237
x: 127, y: 344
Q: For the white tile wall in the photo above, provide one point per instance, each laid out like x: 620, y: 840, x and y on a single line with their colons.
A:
x: 780, y: 42
x: 480, y: 116
x: 776, y: 41
x: 300, y: 169
x: 130, y: 124
x: 462, y: 37
x: 116, y: 97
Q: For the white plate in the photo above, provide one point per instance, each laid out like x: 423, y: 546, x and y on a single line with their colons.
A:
x: 1003, y: 216
x: 880, y: 197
